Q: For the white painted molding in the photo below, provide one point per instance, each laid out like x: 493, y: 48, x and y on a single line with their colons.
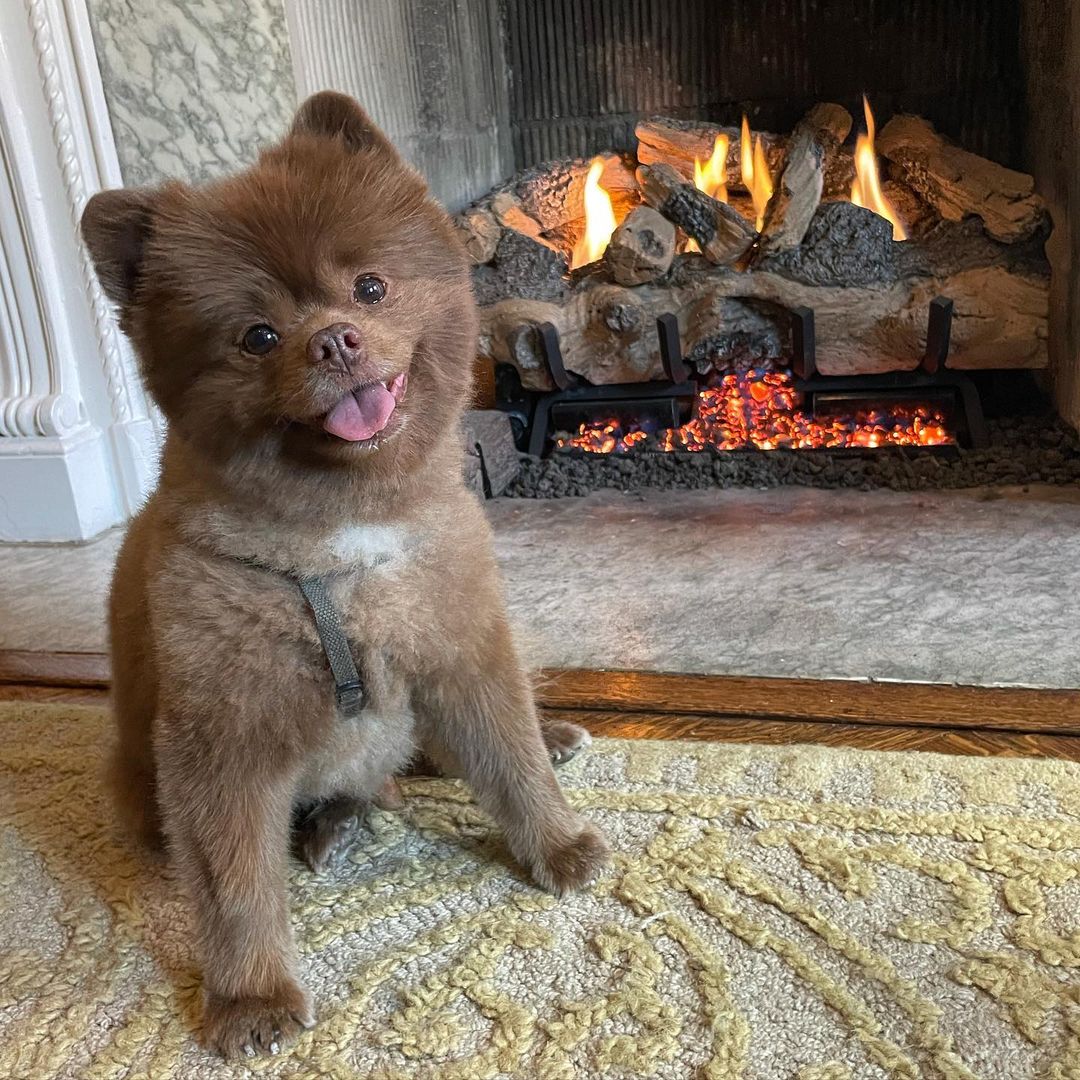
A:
x: 78, y: 438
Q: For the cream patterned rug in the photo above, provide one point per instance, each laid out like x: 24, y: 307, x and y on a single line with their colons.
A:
x: 774, y: 913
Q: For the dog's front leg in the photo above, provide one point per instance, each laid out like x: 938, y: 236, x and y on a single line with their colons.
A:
x: 478, y: 720
x: 227, y: 823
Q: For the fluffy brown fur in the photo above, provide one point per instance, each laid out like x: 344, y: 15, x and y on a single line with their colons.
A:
x: 223, y: 697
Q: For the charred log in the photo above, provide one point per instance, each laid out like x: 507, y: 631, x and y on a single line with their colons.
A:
x: 958, y: 183
x: 641, y: 248
x: 723, y: 234
x: 796, y: 196
x: 676, y: 143
x: 830, y: 125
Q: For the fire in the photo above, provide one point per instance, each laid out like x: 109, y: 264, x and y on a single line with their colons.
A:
x: 599, y: 218
x: 866, y: 190
x: 746, y: 157
x: 712, y: 176
x: 763, y: 409
x: 756, y: 177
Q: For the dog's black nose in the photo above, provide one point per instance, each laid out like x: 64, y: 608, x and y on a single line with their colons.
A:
x: 337, y: 345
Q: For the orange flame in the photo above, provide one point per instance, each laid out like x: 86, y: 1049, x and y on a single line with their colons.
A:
x: 756, y: 177
x: 763, y: 184
x: 746, y: 158
x: 712, y: 176
x: 866, y: 190
x: 599, y: 218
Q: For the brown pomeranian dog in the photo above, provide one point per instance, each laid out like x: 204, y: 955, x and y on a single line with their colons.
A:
x: 308, y: 329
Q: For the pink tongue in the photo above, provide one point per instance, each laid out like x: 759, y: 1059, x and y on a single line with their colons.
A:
x: 361, y: 414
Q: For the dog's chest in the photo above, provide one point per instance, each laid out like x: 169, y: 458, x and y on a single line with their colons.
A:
x: 371, y: 547
x: 356, y: 752
x: 383, y: 591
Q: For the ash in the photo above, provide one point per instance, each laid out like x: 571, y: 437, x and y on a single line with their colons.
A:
x: 1023, y: 450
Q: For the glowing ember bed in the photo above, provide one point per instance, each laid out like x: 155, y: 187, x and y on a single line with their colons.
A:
x: 764, y: 410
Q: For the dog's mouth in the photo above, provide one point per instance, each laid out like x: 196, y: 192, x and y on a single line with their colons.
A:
x: 366, y: 411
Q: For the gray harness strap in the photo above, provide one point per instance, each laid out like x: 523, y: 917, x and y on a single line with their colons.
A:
x: 348, y: 684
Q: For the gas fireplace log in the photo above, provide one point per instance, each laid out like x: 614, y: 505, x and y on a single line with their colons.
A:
x: 480, y: 233
x: 508, y: 211
x: 545, y: 201
x: 797, y: 194
x: 870, y: 298
x: 956, y: 182
x: 521, y: 268
x: 677, y: 143
x: 723, y: 234
x: 830, y: 124
x: 641, y: 248
x: 827, y: 118
x: 607, y: 331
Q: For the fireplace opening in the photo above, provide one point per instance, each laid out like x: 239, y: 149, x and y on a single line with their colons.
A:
x: 727, y: 289
x: 826, y: 248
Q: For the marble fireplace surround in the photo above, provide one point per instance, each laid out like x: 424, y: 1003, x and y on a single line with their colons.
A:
x: 97, y: 94
x: 948, y: 587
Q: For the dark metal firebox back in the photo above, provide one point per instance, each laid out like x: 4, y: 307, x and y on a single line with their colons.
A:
x: 583, y: 72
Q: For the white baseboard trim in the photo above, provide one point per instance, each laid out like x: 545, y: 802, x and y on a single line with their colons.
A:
x: 57, y: 489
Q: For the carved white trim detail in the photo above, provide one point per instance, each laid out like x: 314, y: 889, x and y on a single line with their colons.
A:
x: 45, y: 414
x: 118, y: 379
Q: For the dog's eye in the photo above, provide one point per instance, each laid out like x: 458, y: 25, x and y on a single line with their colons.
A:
x: 368, y: 290
x: 260, y: 339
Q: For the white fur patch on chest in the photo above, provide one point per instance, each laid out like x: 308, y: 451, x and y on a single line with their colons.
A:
x: 369, y: 545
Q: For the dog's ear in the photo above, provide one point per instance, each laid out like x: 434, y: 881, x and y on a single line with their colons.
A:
x: 333, y: 115
x: 115, y: 225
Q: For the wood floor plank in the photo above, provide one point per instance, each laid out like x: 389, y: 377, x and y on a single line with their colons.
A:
x: 656, y: 725
x: 964, y: 741
x: 790, y: 701
x: 828, y: 701
x: 54, y: 668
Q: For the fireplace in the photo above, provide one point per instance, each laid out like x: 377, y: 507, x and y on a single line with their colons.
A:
x: 828, y: 284
x: 778, y: 263
x: 771, y: 279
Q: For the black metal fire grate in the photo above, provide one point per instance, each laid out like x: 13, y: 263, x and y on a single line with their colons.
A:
x: 672, y: 402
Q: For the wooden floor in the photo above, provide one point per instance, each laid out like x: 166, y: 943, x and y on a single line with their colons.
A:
x: 881, y: 716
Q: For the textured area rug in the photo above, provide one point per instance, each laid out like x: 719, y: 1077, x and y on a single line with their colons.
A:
x: 773, y: 913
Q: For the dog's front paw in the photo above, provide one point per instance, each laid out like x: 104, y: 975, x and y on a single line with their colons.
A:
x: 574, y: 864
x: 563, y: 740
x: 327, y: 831
x: 250, y: 1026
